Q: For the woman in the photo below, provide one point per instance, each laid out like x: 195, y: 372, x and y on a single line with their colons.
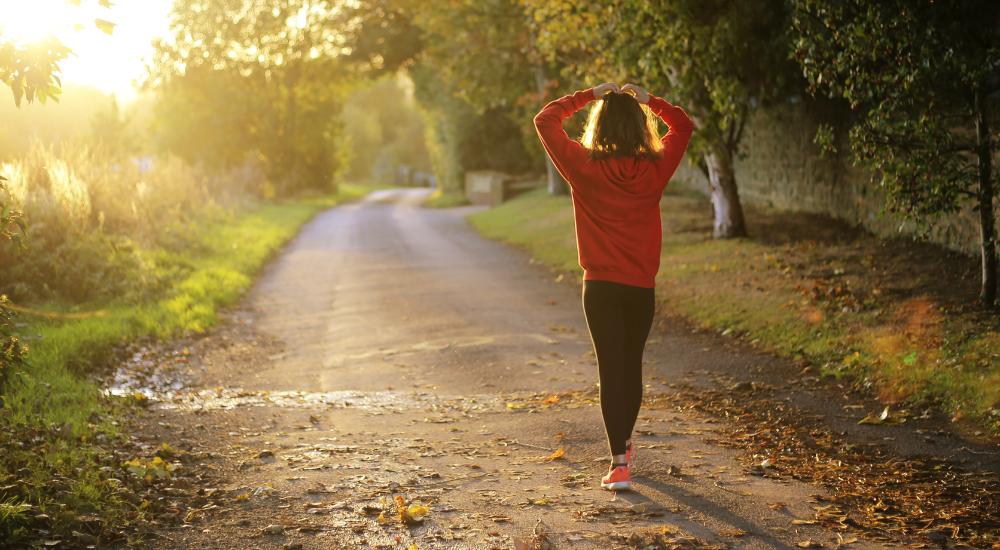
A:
x: 617, y: 176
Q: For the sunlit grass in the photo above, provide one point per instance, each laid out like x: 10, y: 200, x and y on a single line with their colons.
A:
x: 537, y: 222
x: 903, y: 347
x: 440, y: 199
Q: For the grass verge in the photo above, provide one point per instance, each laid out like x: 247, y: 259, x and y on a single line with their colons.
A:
x: 894, y: 316
x: 440, y: 199
x: 56, y: 473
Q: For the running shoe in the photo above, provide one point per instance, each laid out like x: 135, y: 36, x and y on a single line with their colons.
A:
x: 618, y: 479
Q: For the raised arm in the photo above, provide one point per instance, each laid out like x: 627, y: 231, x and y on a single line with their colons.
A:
x: 679, y: 124
x: 676, y: 119
x: 565, y: 153
x: 677, y: 138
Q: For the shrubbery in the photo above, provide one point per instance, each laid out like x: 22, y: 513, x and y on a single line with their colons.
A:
x: 94, y: 216
x: 11, y: 349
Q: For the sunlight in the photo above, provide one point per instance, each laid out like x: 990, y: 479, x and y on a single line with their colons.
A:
x: 29, y: 22
x: 111, y: 63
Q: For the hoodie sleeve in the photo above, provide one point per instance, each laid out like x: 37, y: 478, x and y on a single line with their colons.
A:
x: 566, y: 154
x: 676, y: 141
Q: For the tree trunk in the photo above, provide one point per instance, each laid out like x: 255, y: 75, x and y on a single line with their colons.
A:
x: 553, y: 182
x: 725, y: 197
x: 987, y: 220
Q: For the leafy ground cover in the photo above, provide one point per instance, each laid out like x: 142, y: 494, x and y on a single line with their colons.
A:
x: 894, y: 316
x: 63, y: 472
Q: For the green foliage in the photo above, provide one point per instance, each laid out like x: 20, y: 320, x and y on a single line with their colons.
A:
x: 483, y: 54
x: 924, y: 78
x: 384, y: 128
x: 910, y: 69
x: 245, y: 81
x: 32, y: 70
x: 94, y: 215
x: 717, y: 59
x: 11, y: 220
x: 720, y: 59
x: 475, y: 73
x: 12, y: 350
x: 460, y: 138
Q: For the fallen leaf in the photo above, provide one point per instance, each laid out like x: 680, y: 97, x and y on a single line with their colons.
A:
x: 410, y: 514
x: 556, y: 455
x: 273, y: 529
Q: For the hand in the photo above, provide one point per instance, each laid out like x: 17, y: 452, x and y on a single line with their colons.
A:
x: 602, y: 90
x: 641, y: 95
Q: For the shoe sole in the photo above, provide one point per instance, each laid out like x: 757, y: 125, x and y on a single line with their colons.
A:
x: 617, y: 486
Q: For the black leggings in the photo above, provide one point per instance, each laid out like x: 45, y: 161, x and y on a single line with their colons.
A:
x: 619, y: 318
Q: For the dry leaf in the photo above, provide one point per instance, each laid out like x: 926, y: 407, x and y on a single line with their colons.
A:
x: 559, y: 453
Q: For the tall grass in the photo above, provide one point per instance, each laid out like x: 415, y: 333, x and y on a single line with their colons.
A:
x: 94, y: 216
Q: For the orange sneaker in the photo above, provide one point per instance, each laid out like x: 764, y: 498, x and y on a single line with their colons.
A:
x: 618, y: 479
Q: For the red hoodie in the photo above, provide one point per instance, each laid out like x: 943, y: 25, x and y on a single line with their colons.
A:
x: 616, y: 200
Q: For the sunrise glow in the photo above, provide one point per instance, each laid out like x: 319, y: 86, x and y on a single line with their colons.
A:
x: 111, y: 63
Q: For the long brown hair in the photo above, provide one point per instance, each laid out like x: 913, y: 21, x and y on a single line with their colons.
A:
x: 618, y: 126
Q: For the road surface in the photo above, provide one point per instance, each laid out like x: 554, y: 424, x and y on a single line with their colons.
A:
x: 391, y: 351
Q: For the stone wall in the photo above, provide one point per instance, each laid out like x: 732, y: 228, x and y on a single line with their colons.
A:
x: 781, y: 167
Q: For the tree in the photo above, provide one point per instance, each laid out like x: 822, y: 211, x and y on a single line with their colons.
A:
x: 924, y: 79
x: 476, y: 75
x: 385, y: 129
x: 263, y: 78
x: 485, y: 52
x: 32, y: 70
x: 719, y: 59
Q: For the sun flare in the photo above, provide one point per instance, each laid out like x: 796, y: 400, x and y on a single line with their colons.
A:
x: 29, y: 22
x: 107, y: 57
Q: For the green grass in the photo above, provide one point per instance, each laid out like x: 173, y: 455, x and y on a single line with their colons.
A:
x: 865, y: 324
x: 536, y: 222
x: 54, y: 399
x: 440, y: 199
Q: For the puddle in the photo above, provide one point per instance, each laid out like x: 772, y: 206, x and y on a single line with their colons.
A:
x: 232, y: 398
x: 151, y: 373
x: 169, y: 382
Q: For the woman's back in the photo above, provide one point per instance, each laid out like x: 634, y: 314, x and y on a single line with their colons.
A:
x: 615, y: 196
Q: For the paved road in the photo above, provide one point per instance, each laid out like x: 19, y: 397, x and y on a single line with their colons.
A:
x: 389, y: 350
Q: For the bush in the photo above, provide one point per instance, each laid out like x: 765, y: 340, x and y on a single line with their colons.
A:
x: 12, y: 351
x: 94, y: 215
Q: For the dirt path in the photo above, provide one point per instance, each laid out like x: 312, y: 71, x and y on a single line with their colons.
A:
x: 391, y: 352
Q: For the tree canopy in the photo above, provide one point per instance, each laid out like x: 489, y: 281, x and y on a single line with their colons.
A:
x: 924, y: 80
x: 253, y: 81
x: 717, y: 59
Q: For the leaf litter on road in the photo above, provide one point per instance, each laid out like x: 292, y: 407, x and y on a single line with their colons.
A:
x: 914, y: 500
